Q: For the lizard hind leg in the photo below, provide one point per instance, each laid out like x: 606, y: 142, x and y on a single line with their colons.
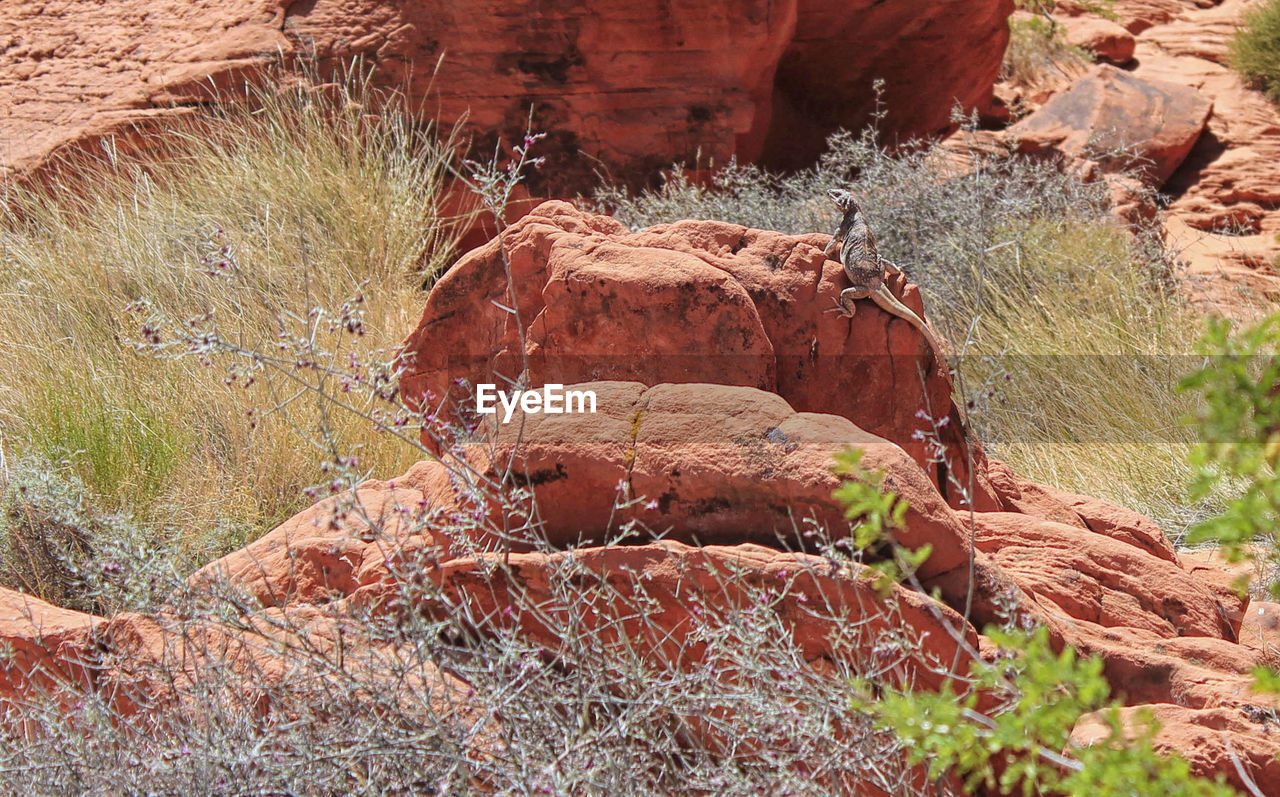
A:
x: 846, y: 303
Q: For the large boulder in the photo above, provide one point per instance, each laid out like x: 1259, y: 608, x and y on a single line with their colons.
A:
x: 1104, y: 39
x: 633, y: 87
x: 695, y: 301
x: 1120, y: 121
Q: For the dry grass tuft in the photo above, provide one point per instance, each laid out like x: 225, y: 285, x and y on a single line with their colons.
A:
x: 1073, y: 333
x: 1038, y: 51
x: 260, y: 210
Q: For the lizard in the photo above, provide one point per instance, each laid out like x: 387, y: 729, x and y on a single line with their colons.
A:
x: 867, y: 270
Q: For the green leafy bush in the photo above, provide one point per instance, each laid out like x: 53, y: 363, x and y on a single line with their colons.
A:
x: 1255, y: 49
x: 1240, y: 423
x: 1038, y: 695
x: 1017, y: 747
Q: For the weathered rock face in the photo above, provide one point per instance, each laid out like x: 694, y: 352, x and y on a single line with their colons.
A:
x: 633, y: 86
x: 1106, y: 40
x: 41, y: 643
x: 1208, y: 738
x: 157, y: 664
x: 1111, y: 110
x: 930, y: 59
x: 710, y: 464
x: 687, y: 302
x: 1223, y: 216
x: 73, y: 74
x: 1135, y: 16
x: 681, y: 581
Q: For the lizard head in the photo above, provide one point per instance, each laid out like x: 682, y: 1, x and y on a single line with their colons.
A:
x: 843, y: 199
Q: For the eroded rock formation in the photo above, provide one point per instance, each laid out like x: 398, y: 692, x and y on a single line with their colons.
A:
x: 1221, y: 172
x: 624, y: 86
x: 698, y: 488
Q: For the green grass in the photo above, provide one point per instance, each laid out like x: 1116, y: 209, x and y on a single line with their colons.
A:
x: 1090, y: 353
x: 124, y: 448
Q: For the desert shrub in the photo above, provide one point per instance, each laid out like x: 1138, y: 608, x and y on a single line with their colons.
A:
x: 734, y: 706
x: 1255, y: 49
x: 1071, y: 331
x: 57, y: 545
x: 251, y: 212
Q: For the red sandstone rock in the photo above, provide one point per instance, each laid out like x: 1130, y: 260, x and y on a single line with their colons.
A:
x: 930, y: 59
x: 1110, y: 109
x: 683, y: 586
x: 709, y: 464
x: 330, y: 548
x: 1106, y: 40
x: 1092, y: 577
x: 40, y: 643
x: 696, y: 301
x: 153, y: 664
x: 1212, y: 566
x: 716, y: 442
x: 1145, y: 667
x: 1135, y: 16
x: 635, y: 87
x: 1222, y: 221
x: 1207, y: 738
x: 74, y: 73
x: 1017, y: 494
